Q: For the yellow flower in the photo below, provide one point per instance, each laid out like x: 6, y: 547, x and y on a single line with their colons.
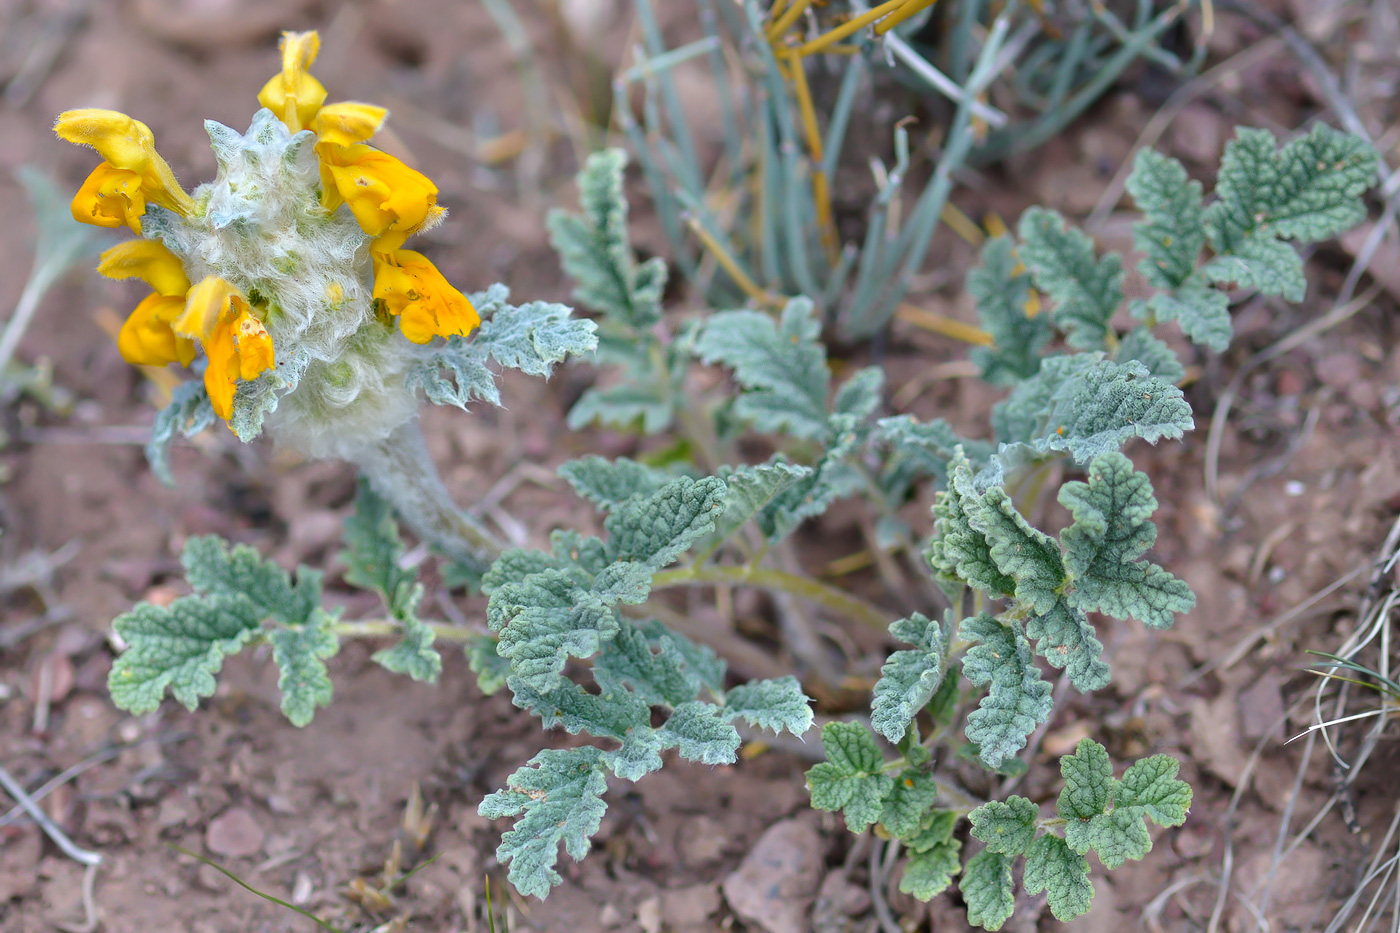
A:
x: 235, y: 341
x: 412, y: 289
x: 148, y: 338
x: 110, y: 197
x: 293, y: 94
x: 127, y: 145
x: 347, y: 123
x: 385, y: 195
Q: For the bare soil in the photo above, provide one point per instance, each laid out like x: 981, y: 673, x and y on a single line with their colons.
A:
x: 1308, y: 484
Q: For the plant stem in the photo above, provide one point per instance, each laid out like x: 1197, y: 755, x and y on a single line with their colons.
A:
x: 389, y: 628
x: 768, y: 579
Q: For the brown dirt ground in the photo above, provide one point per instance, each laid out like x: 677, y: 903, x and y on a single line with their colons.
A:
x: 1309, y: 482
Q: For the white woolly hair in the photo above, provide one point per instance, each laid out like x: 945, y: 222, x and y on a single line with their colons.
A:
x: 308, y: 275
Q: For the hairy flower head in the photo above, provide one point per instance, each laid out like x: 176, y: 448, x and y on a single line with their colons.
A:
x: 305, y: 305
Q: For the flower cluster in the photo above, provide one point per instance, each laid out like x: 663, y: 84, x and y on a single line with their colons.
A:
x: 289, y: 265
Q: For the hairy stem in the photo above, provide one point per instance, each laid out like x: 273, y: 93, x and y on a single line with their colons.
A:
x: 780, y: 581
x: 401, y: 471
x: 388, y: 628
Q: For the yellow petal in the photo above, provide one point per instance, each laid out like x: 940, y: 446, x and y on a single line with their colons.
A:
x: 149, y: 261
x: 255, y: 353
x: 293, y: 94
x: 110, y: 197
x: 382, y: 192
x: 209, y: 304
x: 427, y: 306
x: 146, y: 339
x: 348, y: 123
x: 127, y: 144
x: 221, y: 370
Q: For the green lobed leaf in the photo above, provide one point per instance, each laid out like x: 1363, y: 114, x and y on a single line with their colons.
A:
x: 1053, y: 867
x: 299, y: 653
x: 1021, y: 552
x: 852, y: 778
x: 1067, y: 640
x: 988, y: 889
x: 624, y: 406
x: 908, y: 679
x: 659, y: 666
x: 1087, y: 405
x: 1202, y: 312
x: 1089, y: 784
x: 859, y: 396
x: 1006, y: 827
x: 212, y: 568
x: 920, y: 449
x: 594, y: 251
x: 373, y: 550
x: 179, y: 647
x: 831, y: 478
x: 1115, y: 837
x: 1309, y: 191
x: 1172, y: 232
x: 1018, y: 700
x: 656, y: 529
x: 1151, y: 785
x: 1085, y: 291
x: 700, y: 732
x: 1002, y: 292
x: 959, y: 551
x: 490, y: 668
x: 913, y: 794
x: 547, y: 618
x: 615, y: 713
x: 558, y: 797
x: 1161, y: 360
x: 532, y: 338
x: 188, y: 413
x: 609, y: 483
x: 414, y: 655
x: 778, y: 704
x: 751, y: 489
x: 1112, y: 530
x: 781, y: 366
x: 928, y: 874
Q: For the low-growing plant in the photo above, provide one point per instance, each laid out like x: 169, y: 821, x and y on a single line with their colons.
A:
x: 316, y: 323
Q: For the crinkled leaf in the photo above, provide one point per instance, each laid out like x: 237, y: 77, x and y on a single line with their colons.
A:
x: 1161, y: 360
x: 545, y: 619
x: 1087, y: 405
x: 490, y: 668
x: 558, y: 797
x: 1089, y: 783
x: 532, y: 338
x: 1111, y: 531
x: 1202, y: 312
x: 1151, y: 785
x: 594, y: 251
x: 908, y: 679
x: 859, y: 395
x: 212, y: 568
x: 188, y: 413
x: 179, y: 647
x: 920, y: 449
x: 299, y: 653
x: 1067, y: 640
x: 701, y: 733
x: 1172, y: 231
x: 608, y: 483
x: 909, y: 801
x: 622, y: 406
x: 1006, y: 827
x: 661, y: 667
x: 1018, y: 700
x: 751, y: 489
x: 988, y: 889
x: 1053, y: 867
x: 1085, y: 291
x: 811, y: 495
x: 778, y: 704
x: 959, y: 551
x: 781, y: 365
x: 414, y: 655
x: 615, y: 713
x: 373, y: 550
x: 656, y: 529
x: 1115, y: 837
x: 851, y: 779
x: 1021, y: 552
x: 928, y: 874
x: 1002, y: 290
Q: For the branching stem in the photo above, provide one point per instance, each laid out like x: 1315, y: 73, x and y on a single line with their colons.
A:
x: 769, y: 579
